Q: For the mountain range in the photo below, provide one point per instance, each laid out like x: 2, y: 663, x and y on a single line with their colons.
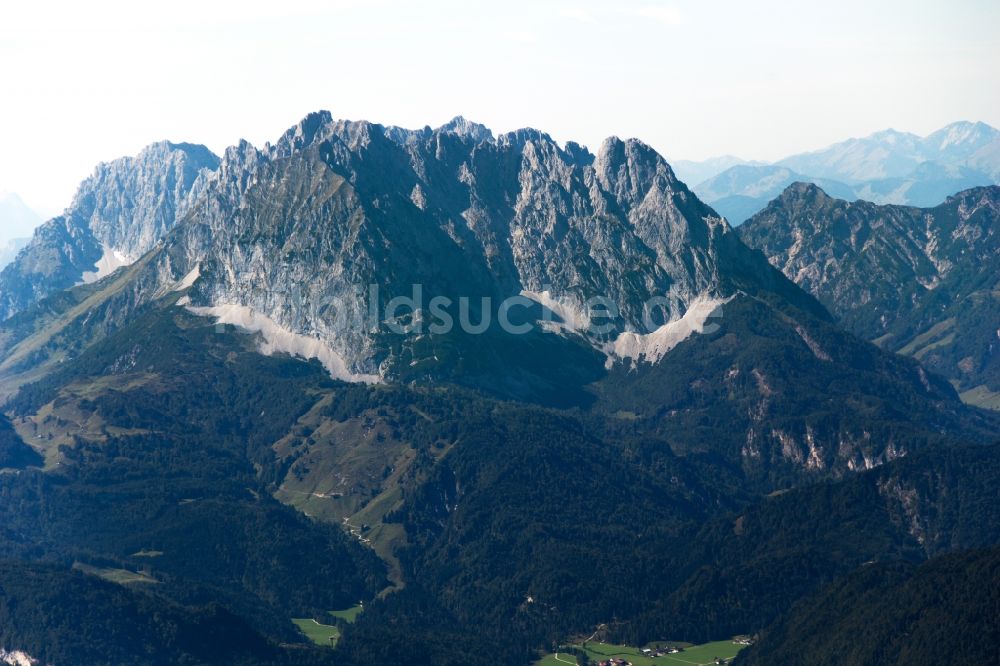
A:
x: 893, y: 154
x: 919, y: 281
x: 694, y: 172
x: 504, y: 392
x: 887, y: 167
x: 518, y: 216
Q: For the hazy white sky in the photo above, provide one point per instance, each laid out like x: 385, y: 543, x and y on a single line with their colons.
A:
x: 85, y: 82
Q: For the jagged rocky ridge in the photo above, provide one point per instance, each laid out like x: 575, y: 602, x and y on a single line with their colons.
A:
x: 921, y: 281
x: 287, y: 239
x: 117, y: 215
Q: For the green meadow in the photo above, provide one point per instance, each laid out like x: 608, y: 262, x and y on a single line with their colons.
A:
x: 696, y: 655
x: 327, y: 634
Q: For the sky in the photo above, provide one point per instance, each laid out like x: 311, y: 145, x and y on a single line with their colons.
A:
x: 88, y: 82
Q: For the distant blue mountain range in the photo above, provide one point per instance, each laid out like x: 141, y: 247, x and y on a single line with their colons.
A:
x: 885, y: 167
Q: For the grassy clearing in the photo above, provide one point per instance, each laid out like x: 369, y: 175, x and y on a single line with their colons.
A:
x: 327, y: 635
x: 47, y: 328
x: 696, y: 655
x: 350, y: 473
x: 925, y: 339
x: 320, y: 634
x: 60, y: 422
x: 981, y: 396
x: 943, y: 342
x: 349, y: 615
x: 882, y: 340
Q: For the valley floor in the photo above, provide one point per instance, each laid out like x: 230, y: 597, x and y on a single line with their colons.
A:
x: 699, y: 655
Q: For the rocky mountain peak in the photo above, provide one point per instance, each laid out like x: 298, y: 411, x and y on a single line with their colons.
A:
x: 301, y: 134
x: 579, y: 154
x: 466, y: 128
x: 631, y: 168
x: 130, y: 203
x: 118, y: 214
x: 803, y: 197
x: 516, y: 215
x: 804, y: 191
x: 962, y: 135
x: 517, y: 139
x: 165, y: 150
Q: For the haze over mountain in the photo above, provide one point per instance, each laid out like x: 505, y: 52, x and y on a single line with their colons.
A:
x: 739, y: 192
x: 893, y: 154
x: 17, y: 222
x: 885, y: 167
x: 218, y: 435
x: 694, y: 172
x: 9, y: 250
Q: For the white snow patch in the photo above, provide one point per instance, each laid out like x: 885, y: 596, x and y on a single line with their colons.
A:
x: 109, y: 262
x: 281, y: 340
x: 188, y: 280
x: 652, y: 347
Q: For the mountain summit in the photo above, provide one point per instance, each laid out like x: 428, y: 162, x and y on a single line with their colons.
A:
x: 117, y: 215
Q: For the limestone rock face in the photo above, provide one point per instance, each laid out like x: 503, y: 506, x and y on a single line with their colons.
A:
x: 300, y: 230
